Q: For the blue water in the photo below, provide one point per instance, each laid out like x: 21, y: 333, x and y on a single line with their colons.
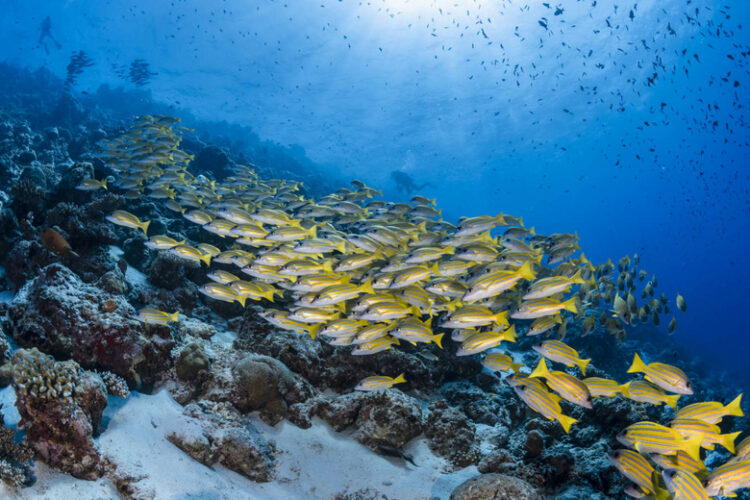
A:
x: 627, y: 124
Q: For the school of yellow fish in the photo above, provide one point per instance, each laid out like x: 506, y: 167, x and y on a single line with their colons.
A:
x: 372, y: 275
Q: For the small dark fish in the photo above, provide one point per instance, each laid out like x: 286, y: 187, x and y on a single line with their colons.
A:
x: 388, y: 449
x: 55, y: 243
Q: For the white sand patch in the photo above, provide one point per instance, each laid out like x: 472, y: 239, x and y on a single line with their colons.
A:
x: 311, y: 463
x: 133, y: 276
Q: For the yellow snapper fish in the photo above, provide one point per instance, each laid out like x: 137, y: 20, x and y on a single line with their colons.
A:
x: 482, y: 341
x: 543, y: 324
x: 556, y: 350
x: 343, y: 327
x: 566, y: 385
x: 221, y: 276
x: 319, y: 281
x: 335, y: 294
x: 252, y: 290
x: 374, y: 346
x: 711, y: 412
x: 162, y: 242
x: 222, y: 292
x: 602, y: 387
x: 537, y: 308
x: 191, y: 253
x: 709, y: 433
x: 379, y: 382
x: 541, y: 401
x: 681, y: 461
x: 497, y: 361
x: 413, y: 330
x: 281, y: 319
x: 725, y: 479
x: 152, y: 316
x: 553, y: 285
x: 497, y: 282
x: 635, y: 467
x: 126, y: 219
x: 668, y: 377
x: 650, y: 437
x: 372, y: 331
x: 313, y: 315
x: 385, y: 311
x: 684, y: 485
x: 644, y: 391
x: 475, y: 315
x: 92, y: 185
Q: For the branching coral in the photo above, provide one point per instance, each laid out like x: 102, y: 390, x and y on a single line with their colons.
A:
x: 39, y: 376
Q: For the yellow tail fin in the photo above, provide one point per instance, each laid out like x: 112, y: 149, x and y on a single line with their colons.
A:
x: 366, y: 287
x: 692, y: 446
x: 576, y: 278
x: 566, y: 422
x: 174, y: 316
x: 104, y: 183
x: 510, y: 334
x: 727, y: 441
x: 570, y: 305
x: 438, y: 339
x: 672, y: 401
x: 399, y: 380
x: 268, y: 295
x: 501, y: 318
x: 733, y: 408
x: 206, y: 257
x: 625, y: 390
x: 516, y: 367
x: 313, y: 231
x: 582, y: 364
x: 638, y: 365
x: 327, y: 266
x: 435, y: 269
x: 526, y: 272
x: 314, y: 329
x: 144, y: 226
x: 540, y: 370
x: 241, y: 299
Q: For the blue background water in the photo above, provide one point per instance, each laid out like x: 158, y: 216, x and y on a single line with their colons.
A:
x: 502, y: 106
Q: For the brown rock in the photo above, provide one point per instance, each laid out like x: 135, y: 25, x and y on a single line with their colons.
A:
x: 495, y: 487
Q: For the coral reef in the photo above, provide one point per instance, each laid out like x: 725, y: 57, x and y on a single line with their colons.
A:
x: 61, y: 409
x: 59, y: 314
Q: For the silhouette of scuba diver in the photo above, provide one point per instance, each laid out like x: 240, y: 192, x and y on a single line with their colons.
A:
x: 46, y: 32
x: 406, y: 184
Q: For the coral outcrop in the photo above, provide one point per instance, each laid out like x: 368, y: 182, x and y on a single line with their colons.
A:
x: 215, y: 433
x: 61, y: 409
x: 495, y: 487
x: 63, y: 316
